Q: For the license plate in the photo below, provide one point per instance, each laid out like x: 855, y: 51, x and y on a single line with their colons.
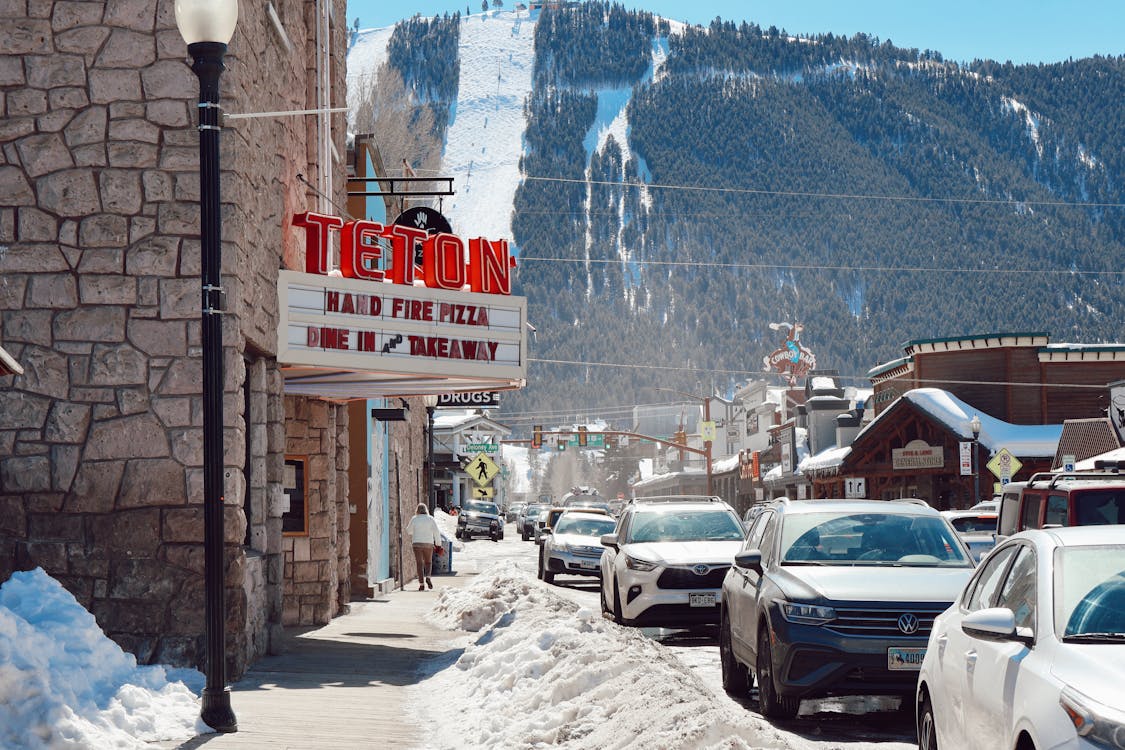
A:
x: 701, y: 600
x: 586, y: 565
x: 906, y: 659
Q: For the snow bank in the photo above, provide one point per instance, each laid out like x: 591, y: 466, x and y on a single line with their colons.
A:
x: 64, y: 684
x: 546, y: 671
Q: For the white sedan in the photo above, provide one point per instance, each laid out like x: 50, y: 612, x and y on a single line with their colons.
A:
x: 1032, y: 655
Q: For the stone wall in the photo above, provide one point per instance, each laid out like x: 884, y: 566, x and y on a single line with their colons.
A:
x: 407, y: 486
x: 317, y: 570
x: 100, y: 438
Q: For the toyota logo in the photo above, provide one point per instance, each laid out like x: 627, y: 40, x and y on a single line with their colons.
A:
x: 701, y: 569
x: 908, y: 624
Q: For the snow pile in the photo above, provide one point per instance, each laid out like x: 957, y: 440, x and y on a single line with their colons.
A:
x: 64, y: 684
x: 559, y: 674
x: 447, y: 524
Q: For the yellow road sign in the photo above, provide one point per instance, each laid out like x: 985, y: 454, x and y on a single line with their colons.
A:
x: 1004, y: 465
x: 480, y: 493
x: 482, y: 469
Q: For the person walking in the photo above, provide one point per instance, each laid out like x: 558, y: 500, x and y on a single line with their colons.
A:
x: 425, y: 536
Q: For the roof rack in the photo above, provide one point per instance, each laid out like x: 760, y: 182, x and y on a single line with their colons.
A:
x: 912, y: 501
x: 678, y: 499
x: 1053, y: 478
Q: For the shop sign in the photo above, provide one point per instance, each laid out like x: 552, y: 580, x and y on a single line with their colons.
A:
x: 468, y: 400
x: 917, y: 454
x: 348, y: 323
x: 792, y: 361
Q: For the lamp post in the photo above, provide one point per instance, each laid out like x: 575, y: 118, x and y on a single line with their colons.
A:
x: 431, y: 496
x: 974, y: 425
x: 207, y: 26
x: 706, y: 418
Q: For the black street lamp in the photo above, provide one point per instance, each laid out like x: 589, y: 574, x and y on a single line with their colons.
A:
x: 430, y: 401
x: 207, y: 26
x: 974, y: 425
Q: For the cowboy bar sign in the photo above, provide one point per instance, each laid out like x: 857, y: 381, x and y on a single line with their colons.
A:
x: 452, y: 315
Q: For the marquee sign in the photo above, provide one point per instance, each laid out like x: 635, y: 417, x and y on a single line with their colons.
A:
x: 450, y: 317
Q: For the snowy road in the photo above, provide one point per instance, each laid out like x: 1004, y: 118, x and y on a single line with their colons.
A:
x: 853, y: 723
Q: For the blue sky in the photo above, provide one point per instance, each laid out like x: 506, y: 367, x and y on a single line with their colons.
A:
x: 1016, y: 30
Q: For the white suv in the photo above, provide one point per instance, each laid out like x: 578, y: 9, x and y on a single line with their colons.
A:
x: 666, y: 562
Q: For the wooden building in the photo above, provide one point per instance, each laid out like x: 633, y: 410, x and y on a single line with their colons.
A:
x: 1020, y: 378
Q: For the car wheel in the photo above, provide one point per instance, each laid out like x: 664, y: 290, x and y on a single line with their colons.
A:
x: 548, y: 576
x: 523, y: 535
x: 736, y: 677
x: 772, y: 705
x: 539, y: 573
x: 459, y: 534
x: 617, y: 604
x: 927, y: 731
x: 601, y: 595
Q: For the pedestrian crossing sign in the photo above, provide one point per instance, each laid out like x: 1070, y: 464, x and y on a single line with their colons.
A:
x: 482, y: 469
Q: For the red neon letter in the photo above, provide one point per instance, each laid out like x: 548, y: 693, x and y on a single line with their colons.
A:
x: 403, y: 240
x: 490, y: 266
x: 317, y: 246
x: 443, y: 258
x: 359, y: 252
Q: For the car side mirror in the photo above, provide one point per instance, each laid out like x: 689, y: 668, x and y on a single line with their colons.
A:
x: 994, y: 624
x: 542, y: 535
x: 609, y: 540
x: 751, y: 560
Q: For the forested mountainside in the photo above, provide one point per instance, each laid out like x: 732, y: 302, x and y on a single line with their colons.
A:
x: 874, y: 194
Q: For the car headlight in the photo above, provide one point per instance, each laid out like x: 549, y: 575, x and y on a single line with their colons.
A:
x: 807, y: 614
x: 632, y: 563
x: 1098, y: 723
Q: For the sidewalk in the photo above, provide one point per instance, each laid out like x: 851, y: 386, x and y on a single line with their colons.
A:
x: 342, y: 685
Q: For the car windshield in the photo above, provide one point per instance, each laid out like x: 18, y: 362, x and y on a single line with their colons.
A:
x: 1090, y: 591
x: 585, y: 526
x: 483, y: 508
x: 534, y: 511
x: 685, y: 526
x: 974, y: 524
x: 587, y: 504
x: 870, y: 539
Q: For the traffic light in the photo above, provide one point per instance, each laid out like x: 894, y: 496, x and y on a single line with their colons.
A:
x: 537, y: 436
x: 582, y: 436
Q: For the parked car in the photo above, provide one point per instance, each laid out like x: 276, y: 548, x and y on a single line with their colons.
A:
x: 588, y: 501
x: 1032, y: 653
x: 546, y: 521
x: 666, y: 560
x: 987, y: 506
x: 528, y: 522
x: 1061, y: 499
x: 836, y: 597
x: 574, y: 546
x: 513, y: 511
x: 976, y: 528
x: 479, y: 518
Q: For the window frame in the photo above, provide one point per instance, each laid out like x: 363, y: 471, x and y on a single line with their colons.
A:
x: 303, y: 478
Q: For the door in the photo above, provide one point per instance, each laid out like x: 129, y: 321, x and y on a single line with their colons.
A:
x: 957, y: 655
x: 740, y: 601
x: 988, y: 708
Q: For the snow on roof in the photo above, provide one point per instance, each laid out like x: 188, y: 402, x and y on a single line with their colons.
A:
x: 1117, y: 454
x: 1025, y: 441
x: 826, y: 459
x: 724, y: 464
x: 823, y: 383
x: 658, y: 478
x: 65, y: 684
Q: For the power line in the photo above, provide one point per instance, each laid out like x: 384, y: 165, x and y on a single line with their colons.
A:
x: 819, y: 267
x: 760, y: 373
x: 828, y: 196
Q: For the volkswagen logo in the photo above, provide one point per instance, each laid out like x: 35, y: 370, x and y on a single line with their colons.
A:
x: 701, y: 569
x: 908, y: 624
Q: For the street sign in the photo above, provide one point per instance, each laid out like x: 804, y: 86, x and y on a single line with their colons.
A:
x: 1068, y: 462
x: 966, y: 458
x: 481, y: 448
x: 593, y: 440
x: 482, y: 469
x: 482, y: 493
x: 1004, y: 465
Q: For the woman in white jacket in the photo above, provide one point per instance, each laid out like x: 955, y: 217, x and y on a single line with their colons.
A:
x: 425, y: 535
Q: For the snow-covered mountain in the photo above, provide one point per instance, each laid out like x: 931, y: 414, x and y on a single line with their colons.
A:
x: 673, y: 190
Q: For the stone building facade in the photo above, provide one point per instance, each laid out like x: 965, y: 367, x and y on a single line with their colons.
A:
x: 100, y: 437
